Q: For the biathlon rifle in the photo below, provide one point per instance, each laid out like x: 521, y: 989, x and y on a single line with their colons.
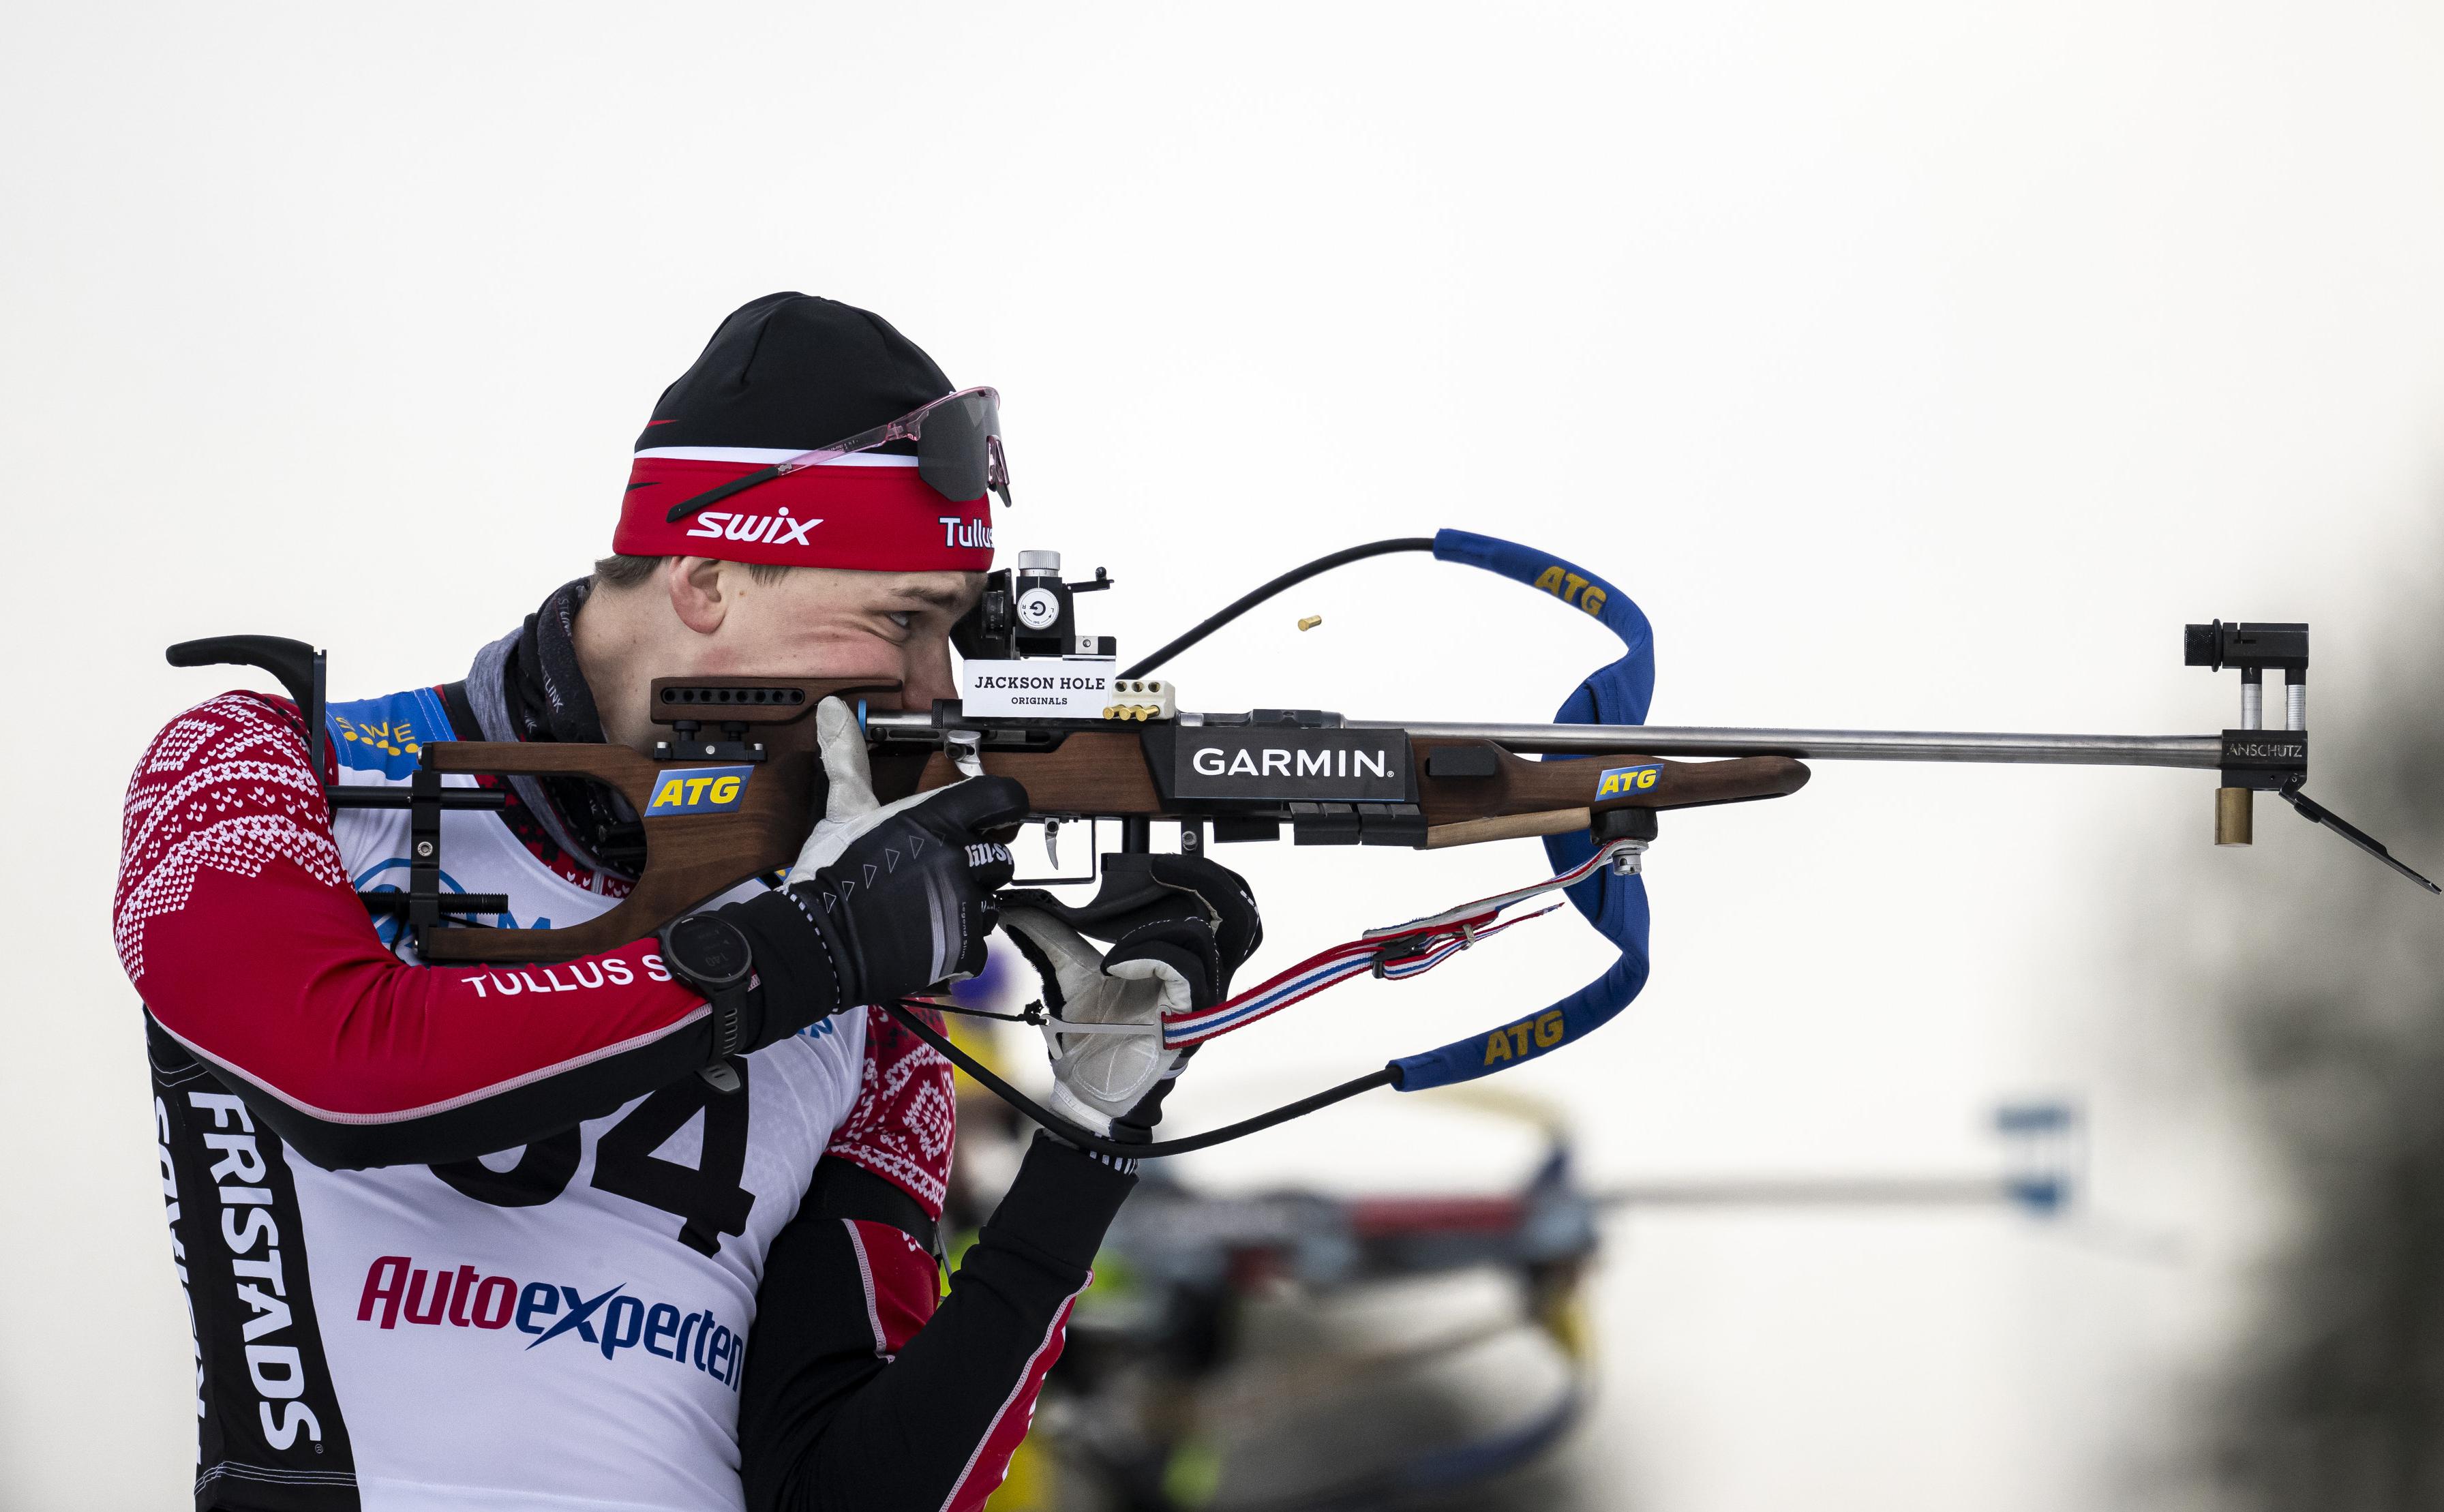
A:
x: 733, y: 791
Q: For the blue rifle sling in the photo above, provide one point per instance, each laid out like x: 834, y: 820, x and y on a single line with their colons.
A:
x: 1616, y: 694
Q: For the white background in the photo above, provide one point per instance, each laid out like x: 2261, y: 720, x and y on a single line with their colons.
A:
x: 1917, y: 366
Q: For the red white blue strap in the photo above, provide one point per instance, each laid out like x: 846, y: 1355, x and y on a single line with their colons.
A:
x: 1397, y: 952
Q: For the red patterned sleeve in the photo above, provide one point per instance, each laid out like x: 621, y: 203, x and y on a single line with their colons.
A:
x: 236, y: 920
x: 905, y: 1116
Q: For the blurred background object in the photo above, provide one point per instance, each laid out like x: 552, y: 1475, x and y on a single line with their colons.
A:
x: 1287, y: 1350
x: 2333, y: 1397
x: 1293, y: 1352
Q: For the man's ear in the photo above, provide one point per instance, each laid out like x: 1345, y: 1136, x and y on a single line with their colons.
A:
x: 696, y: 595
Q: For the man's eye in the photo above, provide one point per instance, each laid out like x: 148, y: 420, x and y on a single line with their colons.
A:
x: 903, y: 618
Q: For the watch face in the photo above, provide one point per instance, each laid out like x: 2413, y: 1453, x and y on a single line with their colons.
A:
x: 709, y: 949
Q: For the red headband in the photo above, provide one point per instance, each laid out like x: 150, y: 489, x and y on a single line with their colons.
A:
x: 865, y: 511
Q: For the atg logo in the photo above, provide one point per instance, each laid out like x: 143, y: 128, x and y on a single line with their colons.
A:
x: 1570, y: 588
x: 699, y: 790
x: 398, y: 1289
x: 1619, y: 780
x: 1517, y: 1041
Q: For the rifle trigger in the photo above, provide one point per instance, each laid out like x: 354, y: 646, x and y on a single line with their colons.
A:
x: 962, y: 746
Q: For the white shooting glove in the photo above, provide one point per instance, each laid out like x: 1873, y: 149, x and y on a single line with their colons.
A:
x: 1179, y: 926
x: 1106, y: 1035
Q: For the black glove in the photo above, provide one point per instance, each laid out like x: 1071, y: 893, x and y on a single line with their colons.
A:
x: 901, y: 893
x: 908, y: 901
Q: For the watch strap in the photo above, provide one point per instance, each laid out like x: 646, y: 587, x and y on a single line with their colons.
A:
x: 729, y: 1007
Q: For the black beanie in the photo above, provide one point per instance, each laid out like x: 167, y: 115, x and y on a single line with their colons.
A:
x: 786, y: 374
x: 795, y: 371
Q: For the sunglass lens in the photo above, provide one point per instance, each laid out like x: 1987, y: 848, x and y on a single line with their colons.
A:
x: 952, y: 454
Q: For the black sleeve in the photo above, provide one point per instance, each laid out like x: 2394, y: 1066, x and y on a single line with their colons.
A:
x: 825, y: 1422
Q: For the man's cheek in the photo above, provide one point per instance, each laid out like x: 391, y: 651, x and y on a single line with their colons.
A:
x: 928, y: 675
x: 816, y: 651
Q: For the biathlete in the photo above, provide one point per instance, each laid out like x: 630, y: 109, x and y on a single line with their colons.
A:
x: 654, y: 1228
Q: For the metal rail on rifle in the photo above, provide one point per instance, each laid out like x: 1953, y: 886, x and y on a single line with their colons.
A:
x: 2250, y: 758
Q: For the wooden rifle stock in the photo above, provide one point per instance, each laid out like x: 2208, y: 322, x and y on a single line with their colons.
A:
x: 1088, y: 773
x: 690, y: 857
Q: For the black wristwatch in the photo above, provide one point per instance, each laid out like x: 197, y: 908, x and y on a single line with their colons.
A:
x: 711, y: 954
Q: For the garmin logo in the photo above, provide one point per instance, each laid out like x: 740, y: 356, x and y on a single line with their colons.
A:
x: 1273, y: 761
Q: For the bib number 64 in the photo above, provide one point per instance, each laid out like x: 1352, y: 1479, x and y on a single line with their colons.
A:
x: 706, y: 1197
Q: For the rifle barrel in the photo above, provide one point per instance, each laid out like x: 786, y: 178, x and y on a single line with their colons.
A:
x: 2203, y: 751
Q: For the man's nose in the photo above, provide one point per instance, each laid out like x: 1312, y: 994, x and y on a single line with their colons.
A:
x: 925, y: 677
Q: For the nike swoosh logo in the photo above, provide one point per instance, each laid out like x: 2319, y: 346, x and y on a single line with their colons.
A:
x: 647, y: 484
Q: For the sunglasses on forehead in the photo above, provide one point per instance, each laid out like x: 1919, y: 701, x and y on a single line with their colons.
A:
x: 958, y: 452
